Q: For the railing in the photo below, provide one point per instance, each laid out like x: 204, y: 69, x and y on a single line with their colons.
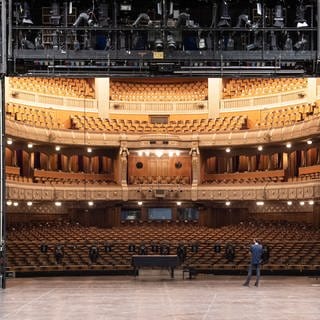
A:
x: 58, y: 102
x: 156, y: 107
x: 265, y: 101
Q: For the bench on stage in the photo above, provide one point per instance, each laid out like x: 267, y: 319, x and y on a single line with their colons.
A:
x: 153, y: 261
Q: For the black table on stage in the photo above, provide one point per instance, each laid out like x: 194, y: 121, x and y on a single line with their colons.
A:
x: 162, y: 261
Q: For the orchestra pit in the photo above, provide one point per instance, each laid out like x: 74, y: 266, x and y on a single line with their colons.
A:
x: 147, y: 150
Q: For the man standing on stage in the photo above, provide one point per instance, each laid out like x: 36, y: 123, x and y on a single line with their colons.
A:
x: 256, y: 254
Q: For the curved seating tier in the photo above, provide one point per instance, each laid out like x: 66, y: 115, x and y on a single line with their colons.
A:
x: 70, y: 87
x: 288, y: 116
x: 140, y: 91
x: 240, y: 88
x: 39, y: 117
x: 227, y: 123
x: 267, y: 176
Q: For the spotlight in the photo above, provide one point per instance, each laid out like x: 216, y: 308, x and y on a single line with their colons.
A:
x: 30, y: 145
x: 158, y: 43
x: 288, y: 145
x: 225, y: 17
x: 58, y: 204
x: 228, y: 203
x: 278, y: 19
x: 260, y: 148
x: 309, y: 142
x: 228, y: 150
x: 171, y: 43
x: 57, y: 148
x: 202, y: 44
x: 9, y: 203
x: 9, y: 142
x: 289, y: 203
x: 15, y: 204
x: 90, y: 203
x: 140, y: 203
x: 259, y: 203
x: 311, y: 202
x: 179, y: 203
x: 300, y: 15
x: 29, y: 203
x: 301, y: 203
x: 89, y: 150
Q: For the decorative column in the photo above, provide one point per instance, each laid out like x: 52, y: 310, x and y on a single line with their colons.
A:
x: 194, y: 152
x: 124, y: 152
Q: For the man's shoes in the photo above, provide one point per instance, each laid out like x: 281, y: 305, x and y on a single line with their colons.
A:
x: 256, y: 284
x: 246, y: 284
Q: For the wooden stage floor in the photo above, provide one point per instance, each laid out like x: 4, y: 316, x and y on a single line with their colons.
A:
x: 157, y: 297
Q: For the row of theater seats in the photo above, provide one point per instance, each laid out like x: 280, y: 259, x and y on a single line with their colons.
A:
x: 76, y: 178
x: 292, y: 246
x: 139, y: 91
x: 289, y: 116
x: 240, y: 88
x: 38, y: 117
x: 159, y: 179
x: 47, y: 118
x: 180, y: 91
x: 69, y: 87
x: 226, y: 123
x: 253, y: 177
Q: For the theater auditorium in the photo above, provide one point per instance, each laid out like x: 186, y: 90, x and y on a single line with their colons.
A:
x: 146, y: 146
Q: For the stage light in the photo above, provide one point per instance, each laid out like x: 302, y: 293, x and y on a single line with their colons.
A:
x: 225, y: 17
x: 309, y: 142
x: 171, y: 42
x: 57, y: 148
x: 288, y: 145
x: 15, y: 203
x: 158, y: 44
x: 90, y: 203
x: 260, y: 148
x: 259, y: 203
x: 202, y: 44
x: 89, y: 150
x: 228, y: 150
x: 30, y: 145
x: 29, y: 203
x: 140, y: 203
x: 179, y: 203
x: 228, y: 203
x: 9, y: 142
x: 289, y: 203
x: 58, y: 204
x: 301, y: 203
x: 311, y: 202
x: 9, y: 203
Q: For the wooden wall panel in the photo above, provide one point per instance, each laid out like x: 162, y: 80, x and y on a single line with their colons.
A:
x: 164, y: 166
